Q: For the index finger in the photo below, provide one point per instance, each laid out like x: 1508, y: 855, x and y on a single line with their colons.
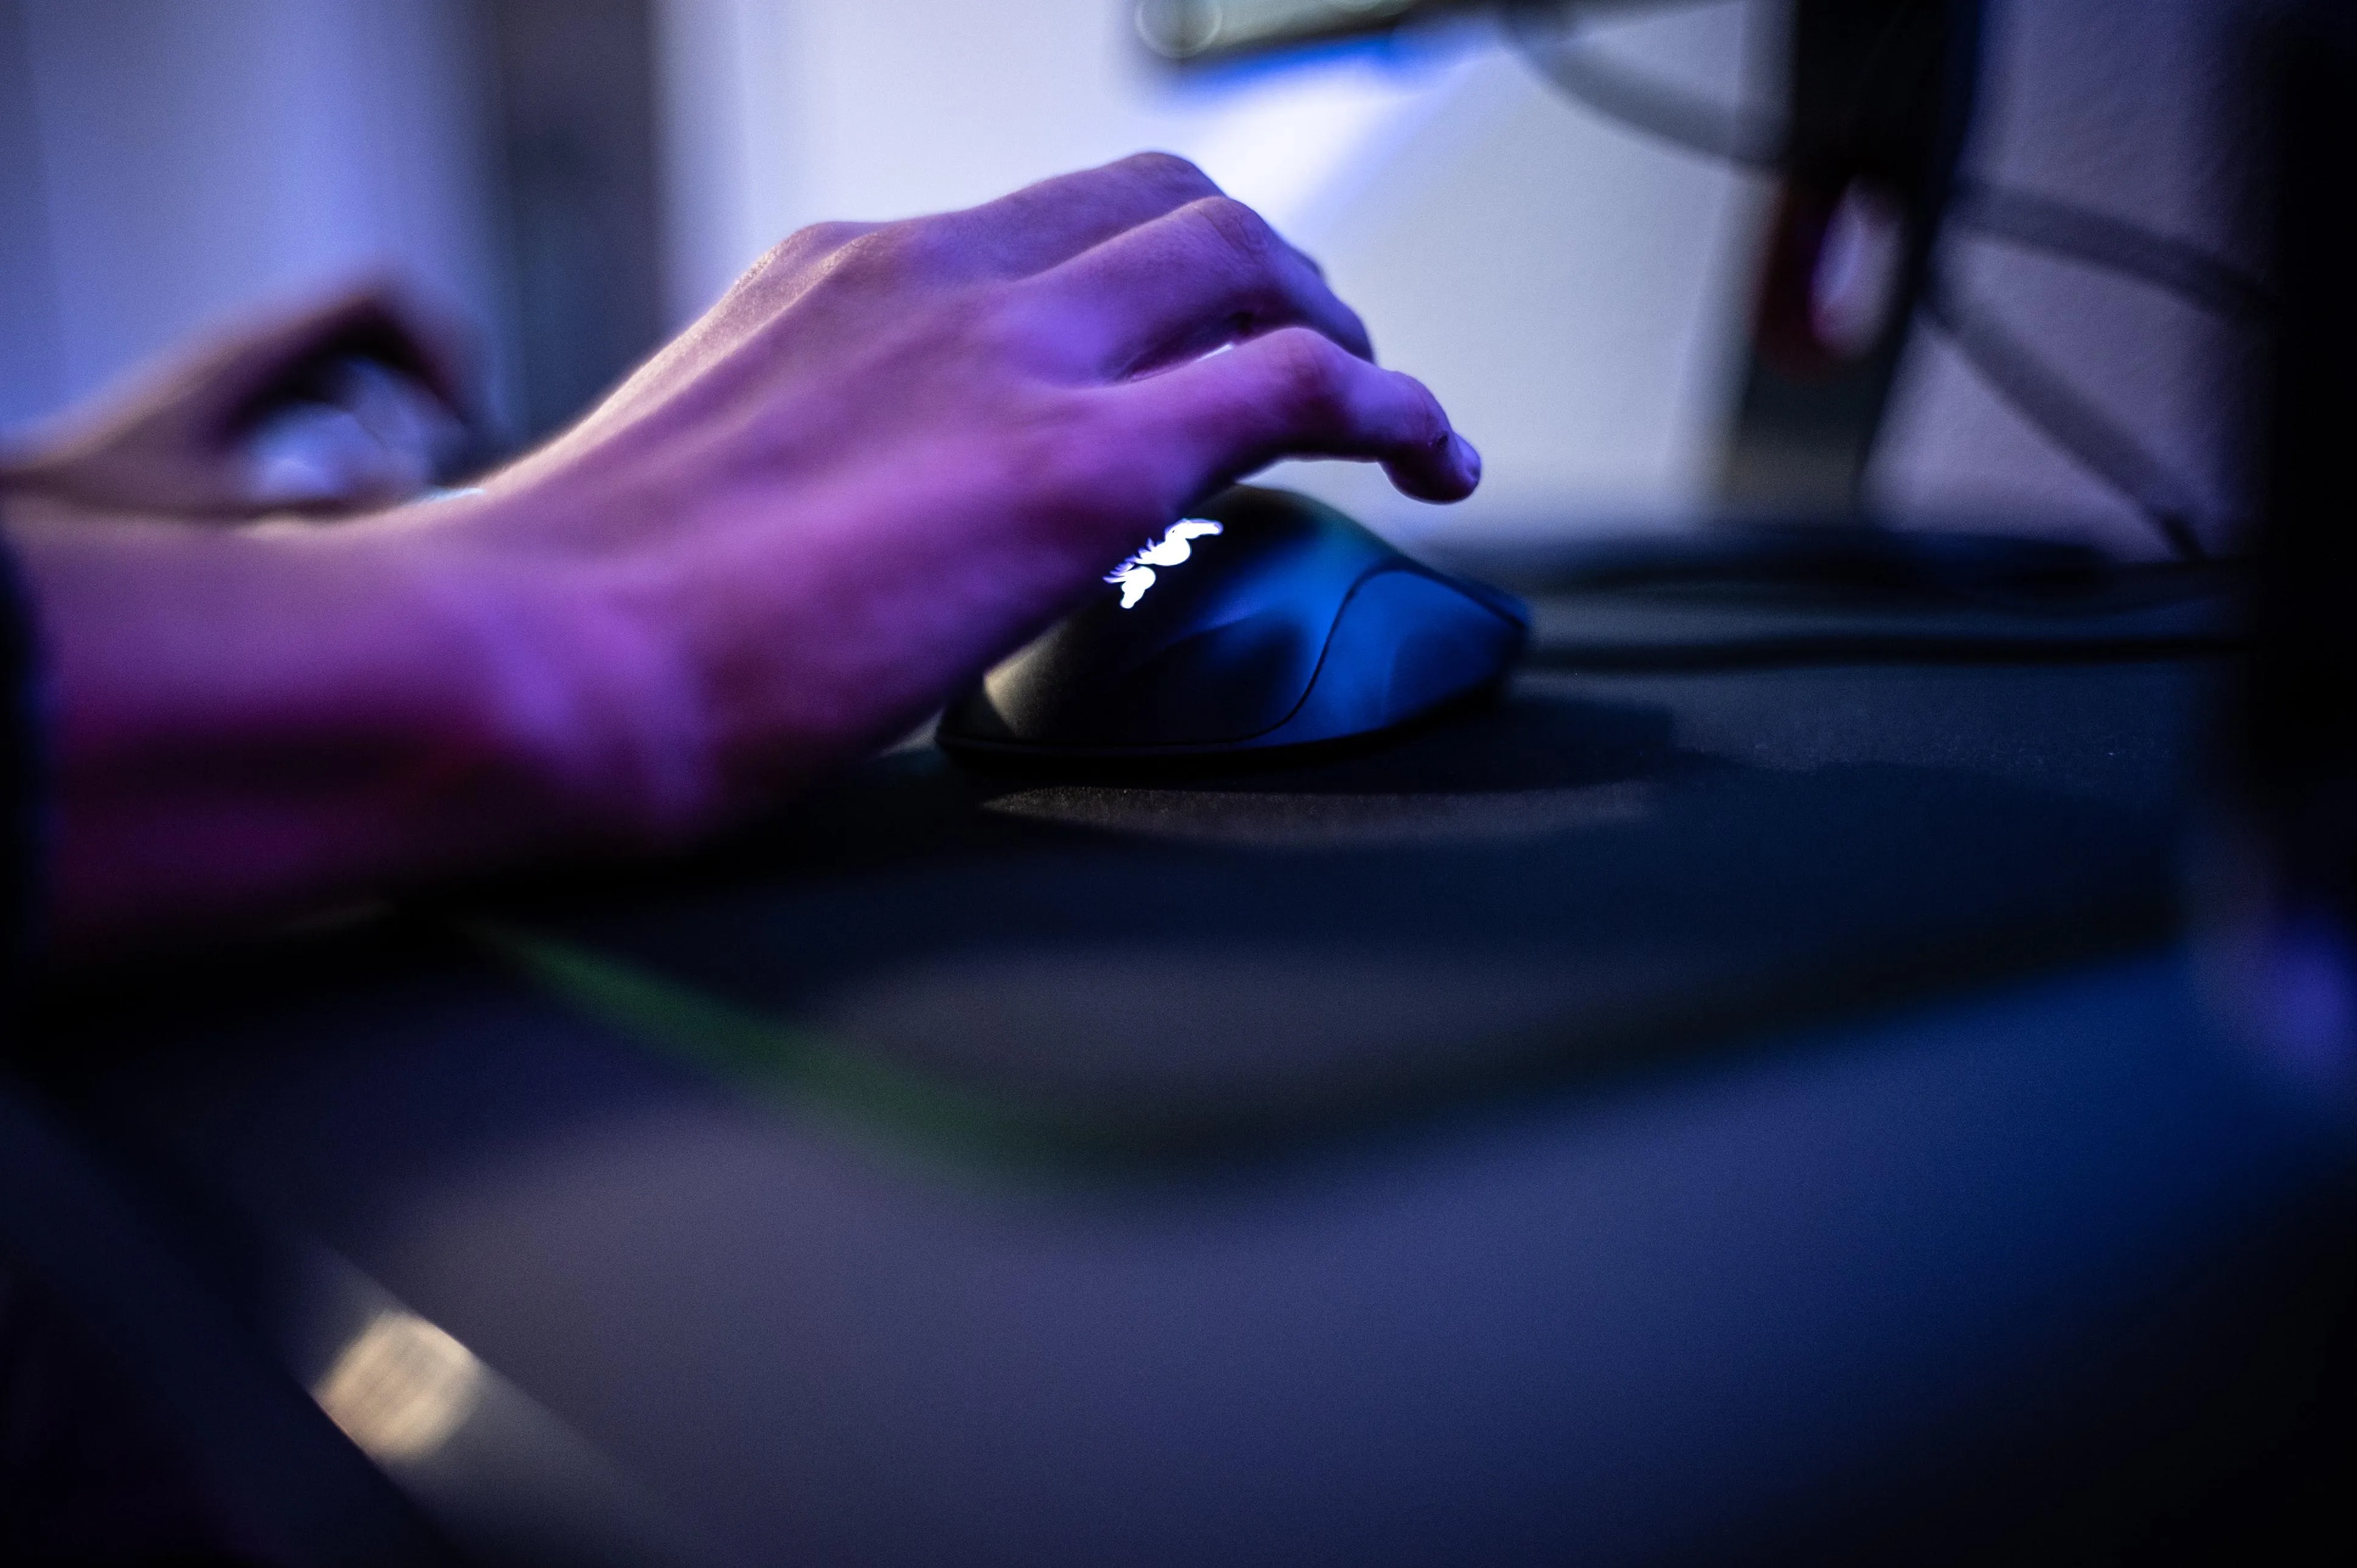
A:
x: 1294, y: 393
x: 1209, y: 273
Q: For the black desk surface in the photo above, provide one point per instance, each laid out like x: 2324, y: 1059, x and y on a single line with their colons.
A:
x: 1638, y: 1120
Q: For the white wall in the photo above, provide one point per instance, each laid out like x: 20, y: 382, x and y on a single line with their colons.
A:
x: 1571, y: 291
x: 197, y: 156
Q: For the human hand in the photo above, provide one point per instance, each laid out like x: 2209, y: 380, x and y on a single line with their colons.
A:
x: 343, y: 404
x: 891, y: 454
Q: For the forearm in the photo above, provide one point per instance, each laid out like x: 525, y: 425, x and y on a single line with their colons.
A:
x: 251, y: 723
x: 248, y: 722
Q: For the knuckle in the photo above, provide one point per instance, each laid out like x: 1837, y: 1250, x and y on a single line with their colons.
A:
x: 1168, y: 171
x: 1305, y: 373
x: 826, y: 236
x: 1237, y: 229
x: 868, y: 255
x: 1433, y: 427
x: 786, y: 265
x: 1411, y: 410
x: 1003, y: 325
x: 894, y: 254
x: 808, y: 244
x: 1058, y: 451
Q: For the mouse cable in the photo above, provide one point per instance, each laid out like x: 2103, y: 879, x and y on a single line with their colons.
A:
x: 2076, y: 233
x: 2065, y: 416
x: 1549, y: 41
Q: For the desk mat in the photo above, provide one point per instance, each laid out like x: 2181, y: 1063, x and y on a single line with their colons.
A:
x: 1596, y: 875
x: 1599, y: 873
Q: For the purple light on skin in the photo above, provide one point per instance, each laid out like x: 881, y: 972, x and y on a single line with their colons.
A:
x: 1136, y: 575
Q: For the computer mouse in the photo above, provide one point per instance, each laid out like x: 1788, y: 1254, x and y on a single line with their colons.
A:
x: 1262, y: 619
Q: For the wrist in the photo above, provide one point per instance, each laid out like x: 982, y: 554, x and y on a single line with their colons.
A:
x: 593, y: 714
x: 257, y: 721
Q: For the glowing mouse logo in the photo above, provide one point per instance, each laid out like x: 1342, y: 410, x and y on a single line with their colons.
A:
x: 1136, y: 575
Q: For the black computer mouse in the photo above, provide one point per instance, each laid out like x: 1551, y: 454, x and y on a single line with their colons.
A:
x: 1262, y: 619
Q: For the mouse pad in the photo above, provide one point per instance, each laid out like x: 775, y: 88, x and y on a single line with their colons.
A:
x: 1597, y: 874
x: 1592, y: 876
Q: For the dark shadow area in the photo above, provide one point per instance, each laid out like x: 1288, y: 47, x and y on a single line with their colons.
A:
x: 1523, y: 1096
x: 1545, y: 892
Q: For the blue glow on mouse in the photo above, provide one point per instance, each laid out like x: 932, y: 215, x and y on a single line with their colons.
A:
x: 1289, y: 624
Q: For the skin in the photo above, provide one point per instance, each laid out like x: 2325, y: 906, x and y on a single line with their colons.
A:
x: 891, y: 454
x: 175, y: 442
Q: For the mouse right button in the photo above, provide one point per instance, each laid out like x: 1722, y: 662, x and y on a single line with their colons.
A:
x: 1404, y: 645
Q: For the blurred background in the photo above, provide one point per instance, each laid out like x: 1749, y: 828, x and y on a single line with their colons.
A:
x: 574, y: 179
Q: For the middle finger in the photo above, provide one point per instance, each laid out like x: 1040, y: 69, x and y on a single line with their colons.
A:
x: 1051, y: 221
x: 1210, y: 273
